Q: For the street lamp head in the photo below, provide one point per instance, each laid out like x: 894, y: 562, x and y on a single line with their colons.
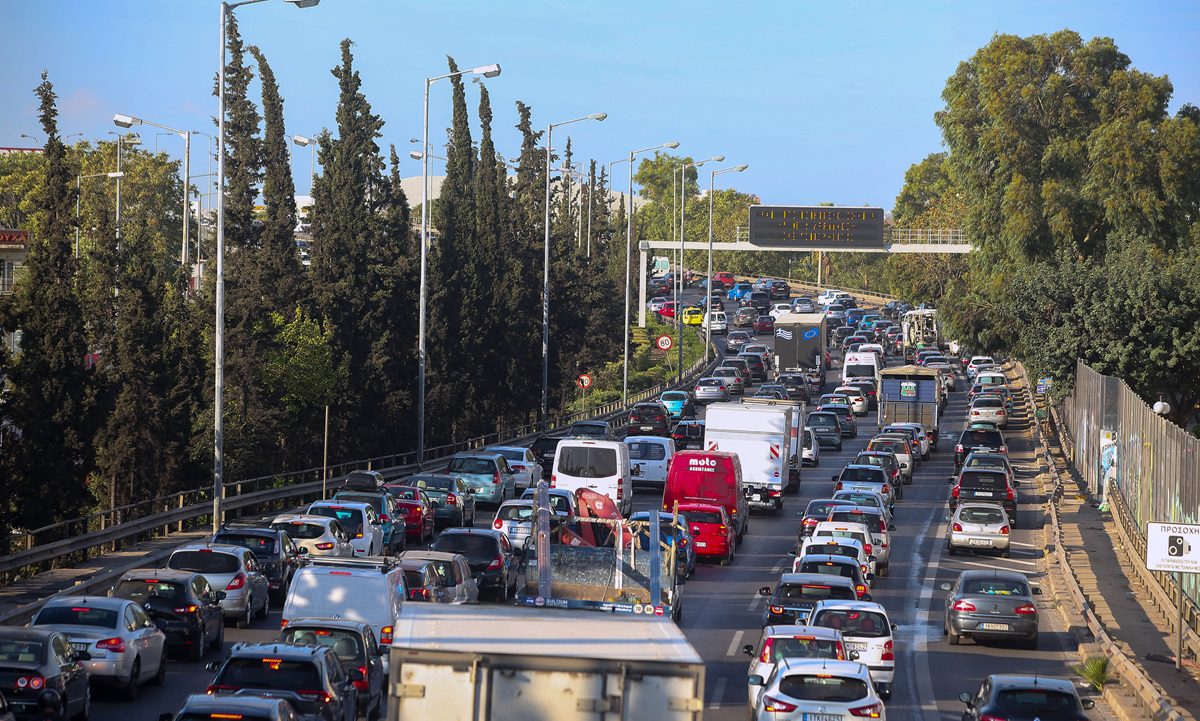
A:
x: 742, y: 167
x: 415, y: 154
x: 302, y: 141
x: 718, y: 158
x: 672, y: 145
x: 125, y: 121
x: 487, y: 71
x: 303, y: 3
x: 598, y: 116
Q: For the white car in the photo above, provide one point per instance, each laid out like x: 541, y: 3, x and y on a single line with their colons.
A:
x: 979, y: 527
x: 125, y: 646
x: 811, y: 690
x: 778, y: 310
x: 524, y: 465
x: 317, y: 535
x: 790, y: 642
x: 810, y: 453
x: 865, y: 627
x: 850, y: 547
x: 656, y: 303
x: 877, y: 524
x: 975, y: 362
x: 360, y: 522
x: 917, y: 431
x: 859, y: 405
x: 717, y: 322
x: 870, y: 499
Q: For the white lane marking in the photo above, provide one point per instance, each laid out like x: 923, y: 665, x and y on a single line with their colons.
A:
x: 920, y: 586
x: 718, y: 694
x: 735, y: 643
x: 754, y: 604
x: 777, y: 568
x: 999, y: 564
x: 1026, y: 545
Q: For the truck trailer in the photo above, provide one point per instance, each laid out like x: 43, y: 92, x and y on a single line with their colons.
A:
x: 911, y: 394
x: 802, y: 344
x: 761, y: 436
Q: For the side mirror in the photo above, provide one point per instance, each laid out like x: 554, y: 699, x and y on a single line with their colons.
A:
x: 1037, y: 590
x: 212, y: 666
x: 1016, y: 483
x: 755, y: 680
x: 895, y: 627
x: 965, y: 698
x: 1087, y: 704
x: 950, y: 479
x: 833, y: 479
x: 764, y: 591
x: 748, y: 650
x: 891, y: 526
x: 945, y: 585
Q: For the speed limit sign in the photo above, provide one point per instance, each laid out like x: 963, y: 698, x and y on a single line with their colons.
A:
x: 584, y: 381
x: 664, y: 342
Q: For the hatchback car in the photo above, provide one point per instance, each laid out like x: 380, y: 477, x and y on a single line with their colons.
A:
x: 755, y: 364
x: 732, y: 377
x: 1025, y: 697
x: 515, y: 518
x: 855, y: 477
x: 491, y: 556
x: 649, y: 419
x: 836, y: 566
x: 354, y: 644
x: 678, y: 404
x: 711, y: 390
x: 33, y: 659
x: 714, y: 535
x: 827, y: 428
x: 522, y: 463
x: 808, y: 690
x: 455, y: 572
x: 453, y: 500
x: 487, y: 474
x: 991, y: 604
x: 858, y: 400
x: 885, y: 460
x: 867, y: 631
x: 979, y: 527
x: 764, y: 324
x: 124, y: 647
x: 359, y: 520
x: 735, y: 340
x: 231, y: 569
x: 181, y: 604
x: 416, y: 507
x: 315, y: 535
x: 277, y: 554
x: 846, y: 421
x: 796, y: 385
x: 790, y: 642
x: 311, y: 678
x: 849, y: 547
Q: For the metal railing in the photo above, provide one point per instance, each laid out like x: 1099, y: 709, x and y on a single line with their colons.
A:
x: 77, y: 536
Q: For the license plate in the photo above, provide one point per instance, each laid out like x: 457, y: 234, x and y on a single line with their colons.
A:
x: 701, y: 544
x: 993, y: 626
x: 983, y: 494
x: 979, y: 542
x: 647, y: 428
x: 852, y: 646
x: 80, y: 646
x: 822, y: 716
x: 756, y: 497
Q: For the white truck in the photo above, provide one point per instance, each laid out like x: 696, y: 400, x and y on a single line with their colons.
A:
x: 503, y: 663
x: 761, y: 435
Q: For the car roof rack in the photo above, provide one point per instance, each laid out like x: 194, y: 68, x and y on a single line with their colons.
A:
x: 383, y: 563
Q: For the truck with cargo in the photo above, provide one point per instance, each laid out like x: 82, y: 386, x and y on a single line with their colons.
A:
x: 919, y: 328
x: 796, y: 448
x: 910, y: 394
x: 802, y: 344
x: 503, y: 663
x: 761, y: 436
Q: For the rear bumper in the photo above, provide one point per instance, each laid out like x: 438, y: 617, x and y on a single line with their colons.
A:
x: 969, y: 625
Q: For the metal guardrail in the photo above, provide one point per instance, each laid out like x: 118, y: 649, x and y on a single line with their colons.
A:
x: 80, y: 537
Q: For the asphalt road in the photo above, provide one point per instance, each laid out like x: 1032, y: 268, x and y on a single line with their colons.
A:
x: 722, y: 610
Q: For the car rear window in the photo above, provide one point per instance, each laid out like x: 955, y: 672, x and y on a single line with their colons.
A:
x: 646, y: 451
x: 988, y: 401
x: 831, y: 549
x: 142, y: 590
x: 820, y: 508
x: 433, y: 484
x: 587, y: 461
x: 983, y: 479
x: 301, y: 530
x: 814, y: 592
x: 204, y: 562
x: 515, y: 513
x: 868, y: 475
x: 472, y: 546
x: 981, y: 515
x: 1037, y: 702
x: 472, y: 465
x: 703, y: 516
x: 346, y: 645
x: 350, y: 518
x: 870, y: 624
x: 886, y: 445
x: 858, y: 499
x: 261, y: 545
x: 995, y: 587
x: 82, y: 615
x: 828, y: 568
x: 674, y: 396
x: 270, y: 673
x: 988, y: 463
x: 823, y: 687
x: 822, y: 420
x: 710, y: 382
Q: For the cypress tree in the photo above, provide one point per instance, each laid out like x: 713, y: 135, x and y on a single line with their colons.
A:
x: 487, y: 266
x: 46, y: 453
x: 243, y: 149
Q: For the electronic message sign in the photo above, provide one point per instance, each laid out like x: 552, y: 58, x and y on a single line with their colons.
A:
x: 825, y: 227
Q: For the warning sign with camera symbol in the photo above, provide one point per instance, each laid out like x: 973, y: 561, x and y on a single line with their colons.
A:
x: 1173, y: 547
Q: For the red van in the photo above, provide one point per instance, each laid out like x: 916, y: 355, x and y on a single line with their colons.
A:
x: 708, y: 477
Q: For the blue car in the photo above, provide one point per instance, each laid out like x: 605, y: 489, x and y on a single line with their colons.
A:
x: 487, y: 473
x: 685, y: 555
x: 738, y: 291
x: 678, y: 404
x: 391, y: 520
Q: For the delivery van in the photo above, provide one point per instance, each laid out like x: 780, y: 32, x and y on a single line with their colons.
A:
x: 708, y: 477
x: 861, y: 365
x: 601, y: 466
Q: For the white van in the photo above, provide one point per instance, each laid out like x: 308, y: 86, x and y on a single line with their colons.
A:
x: 650, y: 457
x: 861, y: 365
x: 602, y: 466
x: 369, y: 590
x: 717, y: 322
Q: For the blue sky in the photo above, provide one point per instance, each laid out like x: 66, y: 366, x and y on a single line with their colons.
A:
x: 827, y: 101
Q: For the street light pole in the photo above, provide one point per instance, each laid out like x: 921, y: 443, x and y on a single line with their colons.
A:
x: 545, y: 410
x: 682, y: 233
x: 487, y: 71
x: 707, y: 322
x: 127, y: 121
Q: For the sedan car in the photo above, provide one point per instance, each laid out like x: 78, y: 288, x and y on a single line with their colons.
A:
x: 522, y: 462
x: 1025, y: 697
x: 733, y: 378
x: 182, y: 605
x: 782, y: 644
x: 711, y: 390
x: 735, y: 340
x: 764, y: 324
x: 987, y: 604
x: 979, y: 527
x: 416, y: 507
x: 203, y: 707
x: 989, y: 408
x: 124, y: 647
x: 453, y: 500
x: 32, y: 659
x: 817, y: 690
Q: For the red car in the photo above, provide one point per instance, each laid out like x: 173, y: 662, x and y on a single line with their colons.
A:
x: 418, y: 511
x: 668, y: 309
x: 764, y: 324
x: 713, y: 533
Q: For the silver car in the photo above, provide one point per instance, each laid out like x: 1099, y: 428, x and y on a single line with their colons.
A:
x: 461, y: 586
x: 991, y: 604
x: 711, y: 390
x: 125, y: 646
x: 515, y: 518
x: 989, y: 408
x: 231, y: 569
x: 733, y: 378
x: 522, y: 462
x: 979, y: 527
x: 315, y: 535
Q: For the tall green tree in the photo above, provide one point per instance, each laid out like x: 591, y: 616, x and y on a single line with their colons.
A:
x: 46, y: 451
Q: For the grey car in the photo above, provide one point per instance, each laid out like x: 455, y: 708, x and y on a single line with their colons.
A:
x: 733, y: 378
x: 827, y: 428
x: 991, y: 604
x: 453, y: 500
x: 711, y: 390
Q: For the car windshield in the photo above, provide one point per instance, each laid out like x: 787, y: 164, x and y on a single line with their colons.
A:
x: 301, y: 530
x: 869, y: 624
x: 980, y: 515
x: 478, y: 466
x: 821, y: 420
x: 261, y: 545
x: 646, y: 451
x: 349, y: 518
x: 1044, y: 703
x: 515, y: 513
x: 995, y: 587
x: 142, y: 590
x: 813, y: 592
x: 823, y: 687
x: 270, y: 673
x: 674, y: 396
x: 587, y: 462
x: 13, y: 650
x: 983, y: 479
x: 472, y: 546
x: 204, y: 562
x: 346, y: 645
x: 77, y: 616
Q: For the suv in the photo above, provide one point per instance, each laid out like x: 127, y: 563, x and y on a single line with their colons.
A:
x: 688, y: 434
x: 310, y: 677
x: 978, y: 438
x: 278, y: 555
x: 595, y: 430
x: 758, y: 369
x: 353, y: 642
x: 181, y: 604
x: 543, y: 448
x: 490, y: 554
x: 779, y: 289
x: 984, y: 485
x: 231, y: 569
x: 649, y: 419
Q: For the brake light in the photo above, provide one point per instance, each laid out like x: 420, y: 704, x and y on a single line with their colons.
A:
x: 770, y: 703
x: 838, y: 486
x: 958, y: 448
x: 886, y: 489
x: 963, y: 606
x: 1004, y: 530
x: 954, y: 491
x: 888, y: 654
x: 811, y: 521
x: 187, y: 609
x: 324, y: 546
x: 553, y: 479
x: 1000, y: 412
x: 34, y: 682
x: 875, y: 710
x: 451, y: 499
x: 776, y: 609
x: 868, y: 548
x: 114, y: 644
x: 283, y: 622
x: 1011, y: 494
x: 496, y: 564
x: 766, y: 652
x: 318, y: 695
x: 358, y: 535
x: 991, y: 717
x: 385, y: 635
x: 385, y: 518
x: 497, y: 524
x: 958, y: 528
x: 496, y: 477
x: 620, y: 488
x: 220, y: 688
x: 1026, y: 609
x: 1004, y: 450
x: 364, y: 684
x: 974, y: 413
x: 238, y: 581
x: 860, y: 590
x: 517, y: 467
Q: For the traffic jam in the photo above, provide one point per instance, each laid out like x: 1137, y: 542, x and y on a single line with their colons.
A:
x: 750, y: 523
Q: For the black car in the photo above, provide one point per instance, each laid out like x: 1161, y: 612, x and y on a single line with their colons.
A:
x: 596, y: 430
x: 181, y: 604
x: 984, y: 485
x: 490, y: 554
x: 354, y: 644
x: 277, y: 554
x: 311, y: 678
x: 779, y: 289
x: 827, y: 427
x: 736, y: 340
x: 649, y: 419
x: 32, y: 659
x: 759, y: 300
x: 688, y: 434
x: 817, y: 510
x: 978, y: 437
x: 841, y: 333
x: 1025, y: 698
x: 834, y: 565
x: 796, y: 385
x: 793, y: 598
x: 758, y: 367
x: 543, y: 448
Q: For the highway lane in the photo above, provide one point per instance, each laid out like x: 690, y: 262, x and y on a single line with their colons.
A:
x: 722, y: 610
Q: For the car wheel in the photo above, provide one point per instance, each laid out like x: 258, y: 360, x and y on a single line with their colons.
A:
x: 838, y: 447
x: 244, y: 620
x: 951, y: 637
x: 129, y: 690
x: 161, y: 675
x: 885, y: 569
x: 1006, y: 553
x: 950, y: 549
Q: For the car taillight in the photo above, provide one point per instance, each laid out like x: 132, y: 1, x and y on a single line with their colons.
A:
x: 324, y: 546
x: 963, y: 606
x: 517, y: 467
x: 838, y: 487
x: 221, y: 688
x: 496, y: 564
x: 497, y: 524
x: 385, y: 518
x: 187, y: 609
x: 1026, y: 609
x: 958, y: 528
x: 385, y: 635
x: 860, y: 590
x: 238, y: 581
x: 776, y: 609
x: 875, y: 710
x: 774, y: 493
x: 974, y: 413
x: 770, y: 703
x: 1004, y: 450
x: 1011, y: 494
x: 316, y: 695
x: 882, y: 526
x: 888, y: 653
x: 553, y: 480
x: 34, y: 682
x: 496, y: 477
x: 620, y: 488
x: 766, y: 652
x: 1003, y: 530
x: 365, y: 685
x: 283, y: 622
x: 811, y: 521
x: 958, y: 448
x: 1000, y: 412
x: 886, y: 489
x: 868, y: 548
x: 115, y: 644
x: 451, y: 499
x: 992, y: 717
